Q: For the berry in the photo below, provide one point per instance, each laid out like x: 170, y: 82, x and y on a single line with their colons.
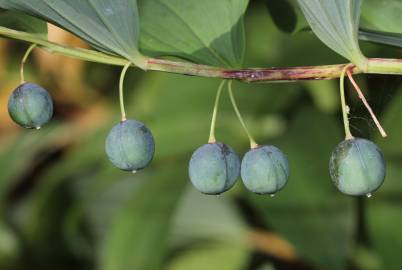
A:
x: 265, y: 170
x: 214, y: 168
x: 30, y: 106
x: 130, y: 146
x: 357, y: 167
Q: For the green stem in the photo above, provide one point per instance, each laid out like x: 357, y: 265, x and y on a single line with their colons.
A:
x: 384, y: 66
x: 212, y: 138
x: 348, y: 134
x: 121, y: 91
x: 253, y: 144
x: 375, y: 65
x: 24, y: 59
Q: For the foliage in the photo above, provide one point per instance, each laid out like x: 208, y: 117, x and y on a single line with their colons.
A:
x: 63, y: 206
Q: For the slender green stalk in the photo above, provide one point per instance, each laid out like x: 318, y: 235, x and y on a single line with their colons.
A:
x: 345, y: 108
x: 275, y: 74
x: 212, y: 138
x: 24, y: 59
x: 121, y: 91
x: 253, y: 144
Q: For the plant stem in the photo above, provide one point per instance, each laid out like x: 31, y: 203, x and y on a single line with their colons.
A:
x: 24, y: 59
x: 121, y: 91
x: 253, y: 144
x: 348, y: 134
x: 326, y: 72
x: 212, y: 138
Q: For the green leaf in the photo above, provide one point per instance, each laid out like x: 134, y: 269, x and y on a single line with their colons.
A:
x: 336, y: 23
x: 201, y: 218
x: 18, y: 157
x: 300, y: 212
x: 383, y: 15
x: 137, y: 239
x: 385, y: 223
x: 324, y: 94
x: 286, y: 15
x: 211, y: 257
x: 22, y: 22
x: 208, y: 31
x: 392, y: 146
x: 111, y: 26
x: 385, y: 38
x: 277, y: 10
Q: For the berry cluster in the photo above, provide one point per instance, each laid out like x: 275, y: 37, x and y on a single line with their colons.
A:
x: 214, y: 168
x: 357, y: 166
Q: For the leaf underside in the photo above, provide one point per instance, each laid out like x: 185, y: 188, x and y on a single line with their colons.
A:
x: 110, y: 26
x: 336, y: 23
x: 208, y: 32
x: 22, y: 22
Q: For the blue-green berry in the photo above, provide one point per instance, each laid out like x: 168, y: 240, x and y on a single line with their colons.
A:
x: 357, y: 167
x: 265, y: 170
x: 130, y: 145
x: 214, y: 168
x: 30, y: 106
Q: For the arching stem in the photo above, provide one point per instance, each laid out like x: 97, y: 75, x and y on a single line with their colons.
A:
x: 345, y: 108
x: 366, y: 104
x: 121, y: 91
x: 212, y: 138
x: 253, y: 144
x: 24, y: 59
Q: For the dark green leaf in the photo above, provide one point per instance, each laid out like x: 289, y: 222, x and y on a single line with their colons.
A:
x: 385, y: 38
x: 283, y: 14
x: 111, y: 26
x: 208, y: 31
x: 22, y: 22
x: 392, y: 146
x: 385, y: 223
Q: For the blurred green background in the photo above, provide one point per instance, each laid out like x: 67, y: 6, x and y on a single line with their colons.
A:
x: 64, y: 206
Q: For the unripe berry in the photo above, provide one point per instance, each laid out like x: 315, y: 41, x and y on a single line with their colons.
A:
x: 214, y: 168
x: 30, y: 106
x: 265, y: 170
x: 130, y: 145
x: 357, y: 167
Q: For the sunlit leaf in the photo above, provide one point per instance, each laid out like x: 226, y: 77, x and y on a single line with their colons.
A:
x: 207, y: 31
x: 383, y: 15
x: 138, y: 236
x: 212, y: 257
x: 336, y: 23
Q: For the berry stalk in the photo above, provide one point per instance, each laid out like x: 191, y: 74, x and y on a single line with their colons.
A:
x: 345, y: 108
x: 253, y: 144
x: 121, y: 91
x: 212, y: 138
x: 24, y: 59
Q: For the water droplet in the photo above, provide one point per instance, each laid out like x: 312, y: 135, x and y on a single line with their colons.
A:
x: 272, y: 195
x: 369, y: 195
